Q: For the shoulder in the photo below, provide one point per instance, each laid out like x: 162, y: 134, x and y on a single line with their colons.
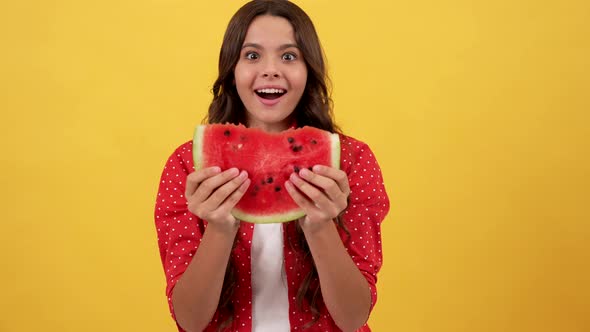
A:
x: 351, y: 143
x: 184, y: 148
x: 181, y: 158
x: 352, y: 150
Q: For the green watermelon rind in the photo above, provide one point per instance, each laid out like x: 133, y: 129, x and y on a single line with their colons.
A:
x: 198, y: 148
x: 259, y: 219
x: 269, y: 219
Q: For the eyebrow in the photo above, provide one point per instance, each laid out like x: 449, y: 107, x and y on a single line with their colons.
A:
x: 258, y: 46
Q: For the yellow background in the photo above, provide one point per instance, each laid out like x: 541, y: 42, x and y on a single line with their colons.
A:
x: 477, y: 112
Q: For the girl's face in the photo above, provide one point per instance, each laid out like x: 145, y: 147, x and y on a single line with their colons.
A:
x: 270, y: 75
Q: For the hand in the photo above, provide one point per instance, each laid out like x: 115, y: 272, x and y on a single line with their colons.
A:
x: 212, y: 194
x: 321, y: 193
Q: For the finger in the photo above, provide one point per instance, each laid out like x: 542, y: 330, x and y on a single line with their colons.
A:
x: 224, y: 191
x: 195, y: 178
x: 205, y: 189
x: 336, y: 174
x: 315, y: 195
x: 299, y: 199
x: 235, y: 197
x: 329, y: 185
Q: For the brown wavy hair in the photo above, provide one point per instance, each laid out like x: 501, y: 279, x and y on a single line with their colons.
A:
x: 314, y: 109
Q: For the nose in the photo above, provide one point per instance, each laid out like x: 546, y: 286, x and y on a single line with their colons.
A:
x: 266, y: 75
x: 270, y: 69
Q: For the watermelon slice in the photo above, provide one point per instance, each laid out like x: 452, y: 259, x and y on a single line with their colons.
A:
x: 269, y: 159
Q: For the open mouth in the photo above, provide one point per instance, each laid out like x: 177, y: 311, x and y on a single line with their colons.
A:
x: 270, y: 94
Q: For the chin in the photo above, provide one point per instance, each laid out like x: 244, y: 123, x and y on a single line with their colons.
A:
x: 270, y: 121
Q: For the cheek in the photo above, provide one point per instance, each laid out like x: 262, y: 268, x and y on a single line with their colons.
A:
x: 242, y: 76
x: 298, y: 77
x: 243, y: 87
x: 301, y: 78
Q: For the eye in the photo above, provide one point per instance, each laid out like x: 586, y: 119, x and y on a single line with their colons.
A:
x: 252, y: 56
x: 289, y: 57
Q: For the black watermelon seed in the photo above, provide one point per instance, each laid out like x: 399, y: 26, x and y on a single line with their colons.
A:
x: 313, y: 141
x: 277, y: 188
x: 226, y: 133
x: 310, y: 168
x: 269, y: 180
x: 290, y: 139
x: 263, y: 181
x: 296, y: 169
x: 297, y: 148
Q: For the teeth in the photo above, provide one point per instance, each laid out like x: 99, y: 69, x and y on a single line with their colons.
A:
x: 270, y: 91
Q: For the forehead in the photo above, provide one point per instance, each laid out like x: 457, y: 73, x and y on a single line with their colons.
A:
x: 267, y: 29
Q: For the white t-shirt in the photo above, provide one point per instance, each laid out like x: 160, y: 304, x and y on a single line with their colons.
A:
x: 270, y: 297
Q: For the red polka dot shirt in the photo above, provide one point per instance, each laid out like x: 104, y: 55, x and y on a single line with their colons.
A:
x: 180, y: 232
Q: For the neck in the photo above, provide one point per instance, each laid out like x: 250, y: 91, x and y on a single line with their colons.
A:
x: 271, y: 127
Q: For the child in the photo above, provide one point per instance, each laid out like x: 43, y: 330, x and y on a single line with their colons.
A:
x: 317, y: 273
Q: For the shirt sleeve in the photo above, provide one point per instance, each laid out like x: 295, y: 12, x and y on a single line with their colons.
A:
x: 179, y: 231
x: 368, y: 205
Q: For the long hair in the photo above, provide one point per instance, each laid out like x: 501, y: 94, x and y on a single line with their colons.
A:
x: 314, y: 109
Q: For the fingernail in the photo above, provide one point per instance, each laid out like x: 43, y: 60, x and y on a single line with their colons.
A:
x: 243, y: 174
x: 304, y: 172
x: 216, y: 169
x: 317, y: 168
x: 234, y: 171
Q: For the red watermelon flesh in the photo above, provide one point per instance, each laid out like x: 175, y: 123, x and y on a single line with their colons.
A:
x: 269, y: 159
